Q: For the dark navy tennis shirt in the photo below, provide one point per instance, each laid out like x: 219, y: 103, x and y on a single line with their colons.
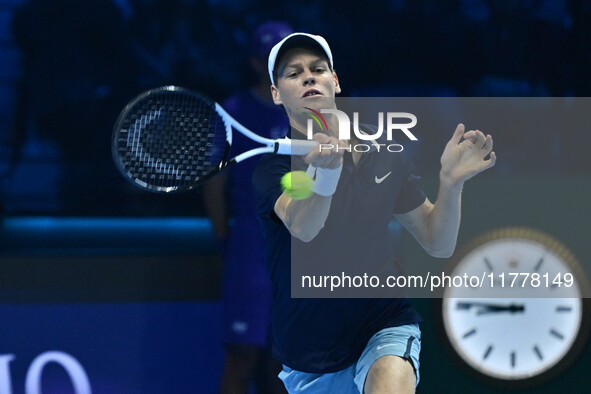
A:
x: 323, y: 335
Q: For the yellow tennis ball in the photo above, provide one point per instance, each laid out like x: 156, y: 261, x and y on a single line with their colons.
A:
x: 297, y: 185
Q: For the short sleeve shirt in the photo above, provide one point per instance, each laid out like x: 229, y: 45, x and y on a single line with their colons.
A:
x: 320, y: 335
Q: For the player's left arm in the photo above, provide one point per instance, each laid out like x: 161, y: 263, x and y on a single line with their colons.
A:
x: 436, y: 225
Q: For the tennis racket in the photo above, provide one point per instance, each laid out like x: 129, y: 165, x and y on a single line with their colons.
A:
x: 171, y: 139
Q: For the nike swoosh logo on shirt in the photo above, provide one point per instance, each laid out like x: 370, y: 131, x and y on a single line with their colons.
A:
x: 380, y: 180
x: 383, y: 346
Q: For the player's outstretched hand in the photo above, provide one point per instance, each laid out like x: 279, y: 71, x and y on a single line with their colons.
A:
x: 461, y: 160
x: 329, y: 154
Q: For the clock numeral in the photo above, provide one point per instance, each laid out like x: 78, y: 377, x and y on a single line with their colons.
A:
x: 563, y: 309
x: 513, y: 359
x: 538, y: 265
x: 556, y: 334
x: 469, y: 333
x: 487, y: 352
x: 538, y: 352
x: 488, y: 264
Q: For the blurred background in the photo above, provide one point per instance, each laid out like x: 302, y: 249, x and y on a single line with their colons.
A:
x: 128, y: 282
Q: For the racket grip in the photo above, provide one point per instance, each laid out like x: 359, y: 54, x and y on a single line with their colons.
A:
x: 288, y: 146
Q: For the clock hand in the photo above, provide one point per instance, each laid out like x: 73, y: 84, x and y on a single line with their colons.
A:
x: 484, y: 308
x: 513, y: 308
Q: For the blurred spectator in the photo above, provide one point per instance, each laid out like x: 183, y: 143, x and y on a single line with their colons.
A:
x: 83, y: 61
x: 186, y: 43
x: 247, y: 293
x: 77, y: 76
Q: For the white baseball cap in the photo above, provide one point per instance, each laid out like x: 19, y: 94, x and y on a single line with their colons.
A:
x: 296, y: 40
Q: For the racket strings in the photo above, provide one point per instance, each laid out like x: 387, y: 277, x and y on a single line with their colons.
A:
x: 169, y: 141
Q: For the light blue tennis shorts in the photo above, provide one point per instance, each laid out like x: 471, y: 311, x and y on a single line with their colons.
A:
x: 403, y: 341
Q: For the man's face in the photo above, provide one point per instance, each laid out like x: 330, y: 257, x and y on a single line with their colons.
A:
x: 304, y: 79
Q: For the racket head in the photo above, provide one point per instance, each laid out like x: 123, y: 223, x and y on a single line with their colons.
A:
x: 170, y: 139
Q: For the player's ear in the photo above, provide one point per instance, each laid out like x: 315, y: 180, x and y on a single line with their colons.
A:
x: 276, y: 96
x: 336, y: 82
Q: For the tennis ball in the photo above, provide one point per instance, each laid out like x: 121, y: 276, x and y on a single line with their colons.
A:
x: 297, y: 185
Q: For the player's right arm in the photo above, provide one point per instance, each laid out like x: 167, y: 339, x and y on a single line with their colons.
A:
x: 305, y: 218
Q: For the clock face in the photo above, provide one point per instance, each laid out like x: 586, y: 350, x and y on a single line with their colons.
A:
x: 525, y: 315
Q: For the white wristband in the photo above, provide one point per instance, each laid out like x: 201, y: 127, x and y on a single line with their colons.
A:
x: 325, y: 179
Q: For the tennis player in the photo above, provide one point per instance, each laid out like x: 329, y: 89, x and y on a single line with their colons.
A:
x: 349, y: 345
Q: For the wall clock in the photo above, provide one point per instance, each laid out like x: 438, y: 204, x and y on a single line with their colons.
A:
x: 521, y: 314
